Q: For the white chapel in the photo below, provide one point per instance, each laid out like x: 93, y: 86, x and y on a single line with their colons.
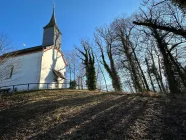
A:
x: 41, y: 66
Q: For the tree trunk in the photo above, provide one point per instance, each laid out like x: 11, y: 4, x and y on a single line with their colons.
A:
x: 148, y: 71
x: 160, y: 76
x: 126, y: 47
x: 173, y: 83
x: 143, y: 76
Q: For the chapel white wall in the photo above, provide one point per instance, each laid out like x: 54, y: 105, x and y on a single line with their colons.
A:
x: 51, y: 59
x: 26, y: 70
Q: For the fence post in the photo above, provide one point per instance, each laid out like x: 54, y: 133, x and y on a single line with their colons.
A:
x: 28, y: 87
x: 47, y: 85
x: 13, y: 88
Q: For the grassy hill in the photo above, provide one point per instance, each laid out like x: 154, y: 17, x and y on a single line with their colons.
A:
x: 70, y: 114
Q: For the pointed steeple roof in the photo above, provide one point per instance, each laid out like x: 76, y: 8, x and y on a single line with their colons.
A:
x: 52, y: 22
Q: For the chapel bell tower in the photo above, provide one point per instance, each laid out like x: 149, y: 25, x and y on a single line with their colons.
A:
x: 52, y: 34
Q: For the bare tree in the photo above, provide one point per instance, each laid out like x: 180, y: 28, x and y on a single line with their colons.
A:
x: 166, y: 14
x: 122, y: 30
x: 8, y: 64
x: 105, y: 41
x: 74, y: 68
x: 102, y: 72
x: 168, y: 18
x: 181, y: 4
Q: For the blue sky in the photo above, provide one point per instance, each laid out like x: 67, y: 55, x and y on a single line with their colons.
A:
x: 23, y: 20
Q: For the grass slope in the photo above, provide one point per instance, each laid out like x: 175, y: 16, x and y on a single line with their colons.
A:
x: 68, y: 114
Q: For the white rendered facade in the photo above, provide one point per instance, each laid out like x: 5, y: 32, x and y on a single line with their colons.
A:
x: 34, y: 68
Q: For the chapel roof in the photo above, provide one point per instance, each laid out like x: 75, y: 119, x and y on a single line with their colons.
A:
x: 24, y: 51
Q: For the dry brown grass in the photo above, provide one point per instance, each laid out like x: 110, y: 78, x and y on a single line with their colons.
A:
x: 152, y: 94
x: 69, y: 114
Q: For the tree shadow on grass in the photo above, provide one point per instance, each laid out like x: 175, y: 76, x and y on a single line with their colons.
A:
x: 95, y: 122
x: 128, y: 117
x: 104, y: 126
x: 174, y: 119
x: 116, y: 117
x: 21, y: 116
x: 162, y: 119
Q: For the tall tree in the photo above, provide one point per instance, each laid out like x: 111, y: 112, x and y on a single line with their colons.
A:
x: 122, y: 30
x: 159, y: 15
x: 105, y: 40
x: 89, y: 62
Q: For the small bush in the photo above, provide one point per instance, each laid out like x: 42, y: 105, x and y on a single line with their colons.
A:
x: 72, y: 84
